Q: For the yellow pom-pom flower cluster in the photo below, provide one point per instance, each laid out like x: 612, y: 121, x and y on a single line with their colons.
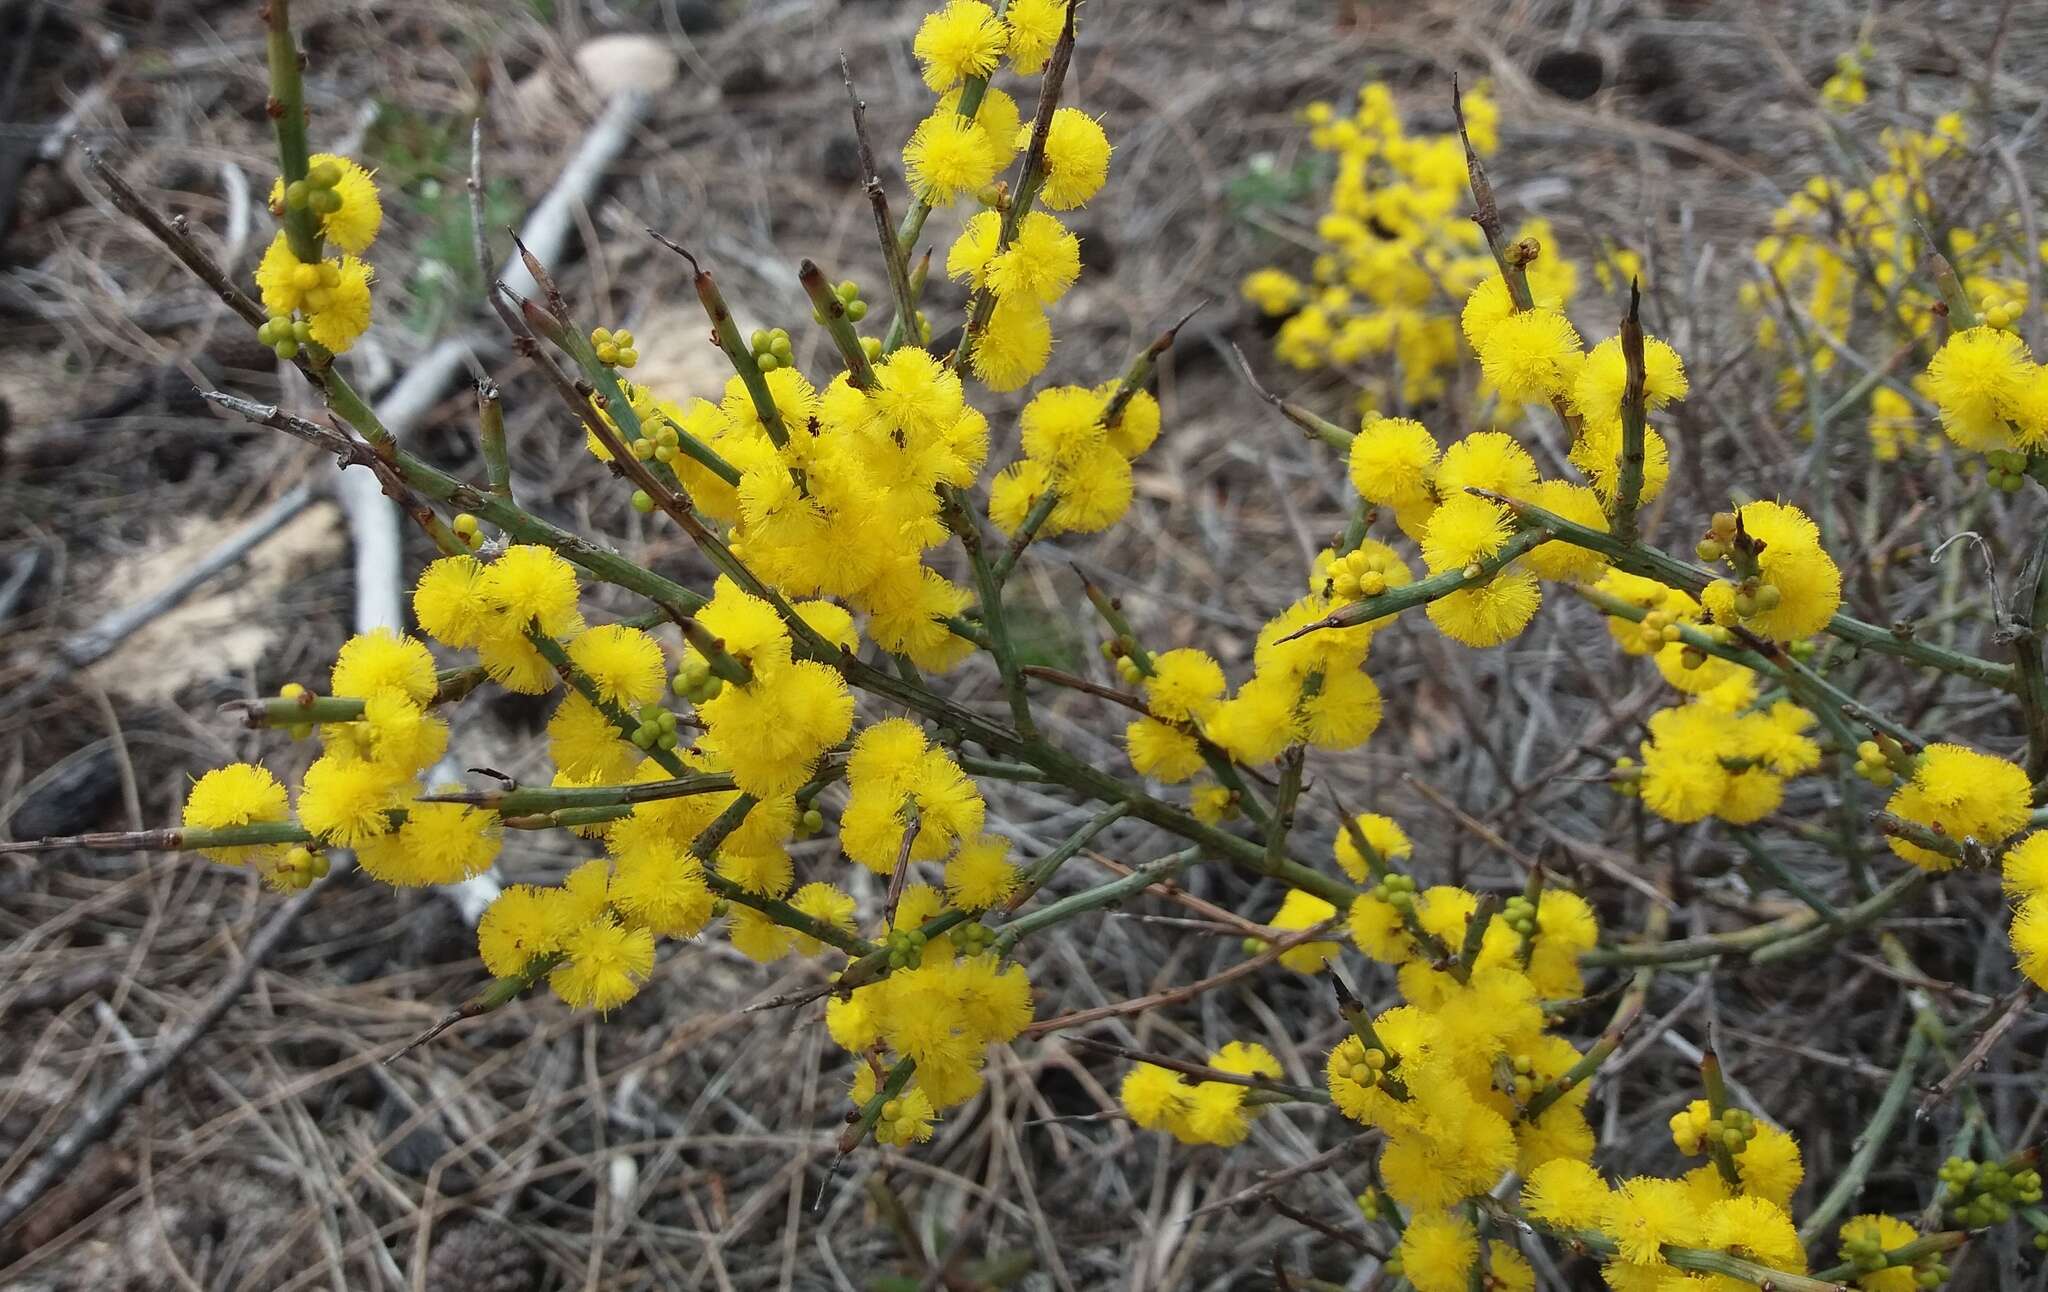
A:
x: 1197, y: 1111
x: 1393, y: 242
x: 1962, y: 795
x: 320, y: 304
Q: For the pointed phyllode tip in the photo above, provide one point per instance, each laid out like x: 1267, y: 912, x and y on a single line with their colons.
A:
x: 1174, y: 331
x: 676, y: 247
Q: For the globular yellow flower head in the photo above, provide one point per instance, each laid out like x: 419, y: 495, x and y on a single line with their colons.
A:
x: 1035, y: 27
x: 516, y: 929
x: 1644, y: 1213
x: 358, y: 212
x: 1806, y: 585
x: 347, y: 801
x: 603, y: 964
x: 1076, y: 159
x: 439, y: 843
x: 1532, y: 356
x: 1757, y: 1229
x: 625, y: 664
x: 1559, y: 560
x: 2024, y: 867
x: 1388, y: 842
x: 1014, y: 347
x: 1962, y: 794
x: 1487, y: 460
x: 2029, y: 938
x: 948, y: 155
x: 1437, y: 1252
x: 380, y: 660
x: 961, y: 40
x: 341, y: 308
x: 1466, y: 528
x: 980, y: 875
x: 1041, y: 262
x: 1491, y: 613
x: 236, y: 795
x: 1976, y: 381
x: 1567, y: 1193
x: 967, y: 259
x: 528, y: 583
x: 663, y: 888
x: 1185, y: 683
x: 1299, y: 910
x: 1274, y: 292
x: 449, y: 604
x: 1597, y: 393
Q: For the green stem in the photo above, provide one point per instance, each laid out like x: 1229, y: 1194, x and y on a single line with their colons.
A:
x: 1639, y: 558
x: 1312, y: 426
x: 1909, y: 1254
x: 741, y: 355
x: 1762, y: 943
x: 1717, y: 1103
x: 281, y: 711
x: 287, y: 111
x: 827, y: 306
x: 966, y: 525
x: 1041, y: 873
x: 491, y: 434
x: 788, y: 916
x: 1034, y: 520
x: 547, y: 798
x: 1781, y: 875
x: 1117, y: 890
x: 1961, y: 312
x: 1282, y: 819
x: 625, y: 724
x: 619, y: 406
x: 1423, y: 591
x: 1030, y: 178
x: 1843, y: 1192
x: 1475, y: 934
x: 871, y: 1112
x: 1626, y: 1012
x: 1697, y: 1260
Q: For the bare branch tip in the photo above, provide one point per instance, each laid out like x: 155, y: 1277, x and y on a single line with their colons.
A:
x: 1251, y: 378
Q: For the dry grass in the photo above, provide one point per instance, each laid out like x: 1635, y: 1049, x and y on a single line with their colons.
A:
x: 682, y: 1144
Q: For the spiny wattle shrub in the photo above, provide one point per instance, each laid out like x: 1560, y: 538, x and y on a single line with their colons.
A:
x: 862, y: 542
